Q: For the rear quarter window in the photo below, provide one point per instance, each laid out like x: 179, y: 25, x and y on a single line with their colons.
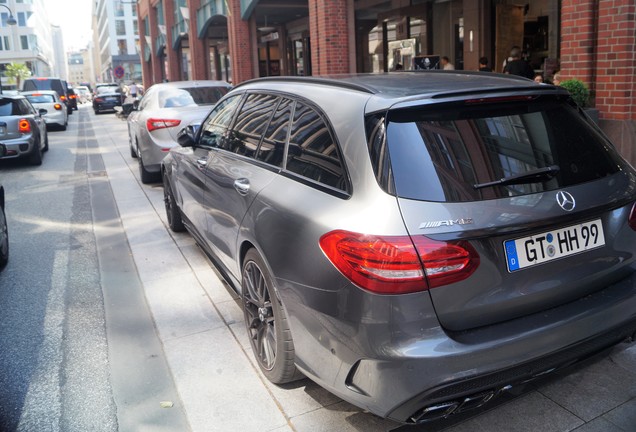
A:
x: 313, y: 152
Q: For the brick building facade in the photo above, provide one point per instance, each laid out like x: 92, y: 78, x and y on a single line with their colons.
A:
x: 234, y: 40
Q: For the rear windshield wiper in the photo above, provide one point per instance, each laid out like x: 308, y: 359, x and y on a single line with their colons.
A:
x: 533, y: 176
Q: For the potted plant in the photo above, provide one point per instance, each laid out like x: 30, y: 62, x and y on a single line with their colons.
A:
x: 581, y: 95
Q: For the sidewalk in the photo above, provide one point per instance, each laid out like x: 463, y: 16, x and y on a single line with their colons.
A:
x: 200, y: 324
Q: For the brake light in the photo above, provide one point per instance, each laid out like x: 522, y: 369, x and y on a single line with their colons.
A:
x: 24, y: 126
x: 398, y: 264
x: 72, y: 96
x: 63, y: 98
x: 99, y: 99
x: 57, y: 106
x: 632, y: 217
x: 155, y: 123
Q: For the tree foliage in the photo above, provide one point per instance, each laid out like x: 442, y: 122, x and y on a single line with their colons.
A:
x: 18, y: 72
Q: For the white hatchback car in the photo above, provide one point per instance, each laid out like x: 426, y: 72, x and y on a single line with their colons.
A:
x: 51, y: 102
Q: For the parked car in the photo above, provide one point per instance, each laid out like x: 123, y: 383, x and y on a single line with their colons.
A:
x: 72, y: 98
x: 107, y: 96
x: 164, y: 109
x: 49, y: 83
x: 416, y: 243
x: 4, y: 230
x: 56, y: 113
x: 22, y: 129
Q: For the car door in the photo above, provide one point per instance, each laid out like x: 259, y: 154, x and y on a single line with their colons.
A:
x: 192, y: 162
x: 239, y: 172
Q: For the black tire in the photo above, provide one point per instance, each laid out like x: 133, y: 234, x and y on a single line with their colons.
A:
x: 266, y: 322
x: 173, y: 213
x: 146, y: 176
x: 46, y: 142
x: 96, y: 112
x: 36, y: 155
x: 4, y: 239
x: 133, y: 152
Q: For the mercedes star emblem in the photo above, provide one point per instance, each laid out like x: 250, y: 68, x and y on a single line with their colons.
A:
x: 566, y: 200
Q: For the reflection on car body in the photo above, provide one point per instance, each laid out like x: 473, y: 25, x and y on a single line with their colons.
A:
x: 402, y: 239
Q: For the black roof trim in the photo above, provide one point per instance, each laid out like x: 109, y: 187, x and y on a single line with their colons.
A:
x: 325, y: 80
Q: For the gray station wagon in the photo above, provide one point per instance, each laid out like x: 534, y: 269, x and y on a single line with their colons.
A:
x: 416, y: 243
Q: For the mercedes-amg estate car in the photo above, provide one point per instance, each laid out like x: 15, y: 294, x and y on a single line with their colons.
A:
x: 417, y: 243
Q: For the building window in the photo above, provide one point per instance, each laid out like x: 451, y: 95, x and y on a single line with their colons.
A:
x: 5, y: 17
x: 120, y: 27
x: 4, y: 43
x: 119, y: 9
x: 24, y: 42
x: 135, y: 28
x: 22, y: 19
x: 122, y: 46
x: 134, y: 10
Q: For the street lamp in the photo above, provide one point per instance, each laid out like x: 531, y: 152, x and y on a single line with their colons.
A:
x: 11, y: 21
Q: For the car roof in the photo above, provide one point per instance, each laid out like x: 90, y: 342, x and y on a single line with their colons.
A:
x: 11, y: 96
x: 189, y: 84
x: 388, y: 89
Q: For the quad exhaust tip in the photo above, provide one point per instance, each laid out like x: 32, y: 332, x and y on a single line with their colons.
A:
x: 445, y: 409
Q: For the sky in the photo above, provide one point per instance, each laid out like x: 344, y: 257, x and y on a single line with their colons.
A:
x: 74, y: 17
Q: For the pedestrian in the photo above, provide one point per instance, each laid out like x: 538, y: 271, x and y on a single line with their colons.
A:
x: 517, y: 65
x: 538, y: 78
x: 133, y: 90
x: 446, y: 64
x: 556, y: 79
x: 483, y: 65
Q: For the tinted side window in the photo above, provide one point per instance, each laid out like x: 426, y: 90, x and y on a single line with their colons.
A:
x: 272, y: 147
x: 251, y: 123
x: 215, y: 127
x: 313, y: 152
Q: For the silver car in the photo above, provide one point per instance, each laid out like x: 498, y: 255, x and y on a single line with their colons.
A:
x: 49, y: 100
x: 164, y: 109
x: 22, y: 129
x: 416, y: 243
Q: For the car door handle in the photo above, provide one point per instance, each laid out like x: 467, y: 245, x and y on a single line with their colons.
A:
x: 202, y: 163
x: 242, y: 186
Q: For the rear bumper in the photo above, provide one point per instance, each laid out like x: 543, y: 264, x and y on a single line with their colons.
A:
x: 413, y: 374
x: 18, y: 147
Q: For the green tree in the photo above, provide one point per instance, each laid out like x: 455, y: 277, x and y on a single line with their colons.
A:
x: 17, y: 71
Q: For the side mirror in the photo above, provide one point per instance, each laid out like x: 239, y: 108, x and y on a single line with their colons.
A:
x: 42, y: 111
x: 187, y: 136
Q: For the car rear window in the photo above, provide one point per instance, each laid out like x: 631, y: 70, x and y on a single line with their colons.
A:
x: 450, y: 153
x: 12, y: 107
x: 43, y: 98
x: 191, y: 96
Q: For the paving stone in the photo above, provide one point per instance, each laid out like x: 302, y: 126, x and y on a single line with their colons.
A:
x: 593, y: 390
x: 624, y: 416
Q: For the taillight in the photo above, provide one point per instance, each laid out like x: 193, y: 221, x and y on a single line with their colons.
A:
x: 57, y: 106
x: 98, y: 100
x: 72, y: 96
x: 398, y: 264
x: 63, y: 98
x: 155, y: 123
x: 632, y: 217
x: 24, y: 126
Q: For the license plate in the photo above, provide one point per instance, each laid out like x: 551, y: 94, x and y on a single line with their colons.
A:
x: 551, y: 245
